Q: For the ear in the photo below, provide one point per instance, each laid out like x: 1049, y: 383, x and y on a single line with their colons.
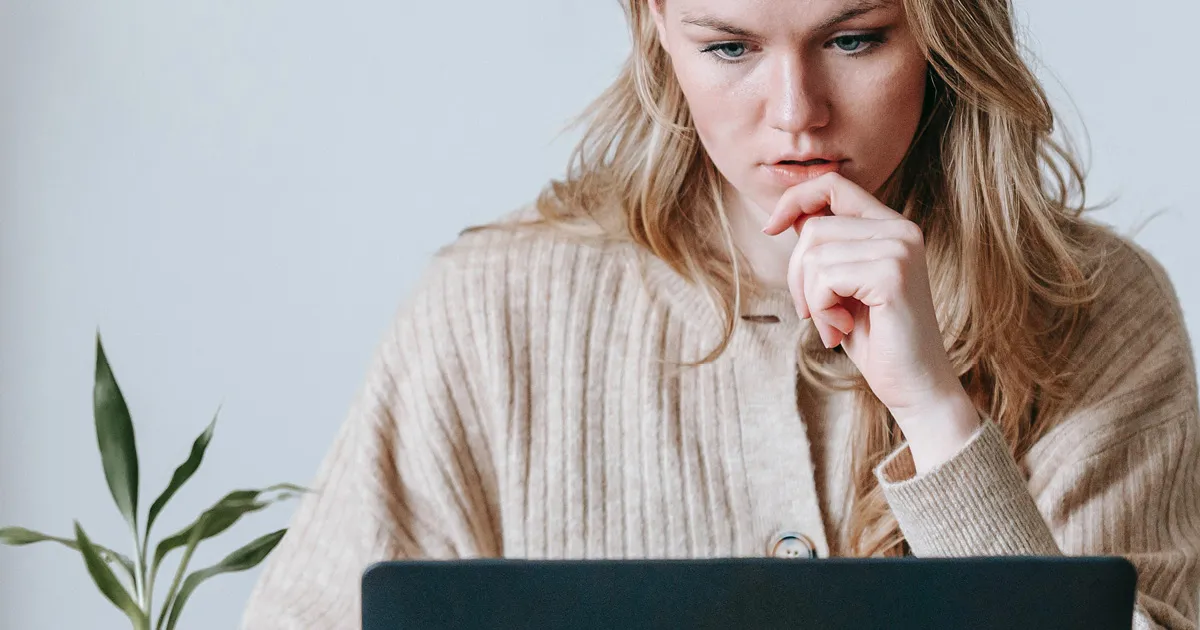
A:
x: 656, y: 11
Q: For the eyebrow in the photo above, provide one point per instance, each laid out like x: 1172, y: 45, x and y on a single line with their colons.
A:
x: 857, y: 9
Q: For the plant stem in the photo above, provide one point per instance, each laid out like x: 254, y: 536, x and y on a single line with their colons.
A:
x: 147, y: 600
x: 169, y: 602
x: 139, y: 573
x: 148, y: 603
x: 141, y: 583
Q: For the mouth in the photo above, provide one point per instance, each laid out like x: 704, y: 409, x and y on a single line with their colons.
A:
x: 804, y: 163
x: 788, y: 173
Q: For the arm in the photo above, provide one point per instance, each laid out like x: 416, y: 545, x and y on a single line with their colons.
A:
x: 1118, y: 475
x: 400, y: 481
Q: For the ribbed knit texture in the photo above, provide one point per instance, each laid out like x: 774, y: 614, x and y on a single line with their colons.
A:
x: 519, y: 407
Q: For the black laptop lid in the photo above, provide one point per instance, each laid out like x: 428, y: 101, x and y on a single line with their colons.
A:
x: 982, y: 593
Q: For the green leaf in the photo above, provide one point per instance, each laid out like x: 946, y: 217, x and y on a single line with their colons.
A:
x: 114, y: 431
x: 221, y: 516
x: 107, y: 582
x: 18, y: 536
x: 183, y: 473
x: 243, y: 559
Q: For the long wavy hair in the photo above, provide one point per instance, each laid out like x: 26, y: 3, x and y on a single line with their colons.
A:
x: 999, y: 199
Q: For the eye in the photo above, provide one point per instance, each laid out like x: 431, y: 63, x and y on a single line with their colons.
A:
x: 857, y: 44
x: 726, y: 51
x: 848, y: 43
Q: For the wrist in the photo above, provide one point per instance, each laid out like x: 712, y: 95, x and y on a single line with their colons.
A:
x: 937, y: 431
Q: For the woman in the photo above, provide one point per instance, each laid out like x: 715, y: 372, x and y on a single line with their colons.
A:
x: 814, y: 286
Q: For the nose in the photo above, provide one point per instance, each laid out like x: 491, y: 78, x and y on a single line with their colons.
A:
x: 796, y: 99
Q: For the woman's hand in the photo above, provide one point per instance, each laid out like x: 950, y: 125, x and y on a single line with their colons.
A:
x: 859, y: 273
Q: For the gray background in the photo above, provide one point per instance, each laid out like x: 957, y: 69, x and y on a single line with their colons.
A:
x: 239, y: 193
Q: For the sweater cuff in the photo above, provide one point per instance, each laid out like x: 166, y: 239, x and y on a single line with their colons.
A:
x: 975, y: 504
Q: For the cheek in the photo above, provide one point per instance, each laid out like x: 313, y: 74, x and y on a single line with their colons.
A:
x: 719, y: 113
x: 908, y: 95
x: 888, y: 113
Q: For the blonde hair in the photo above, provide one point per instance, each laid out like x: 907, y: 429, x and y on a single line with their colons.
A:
x: 984, y: 178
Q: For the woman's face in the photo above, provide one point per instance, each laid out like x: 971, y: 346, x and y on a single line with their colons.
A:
x: 796, y: 80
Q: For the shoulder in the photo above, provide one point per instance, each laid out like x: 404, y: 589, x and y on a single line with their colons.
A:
x: 1136, y: 305
x: 517, y: 260
x: 519, y: 246
x: 499, y: 285
x: 1131, y: 365
x: 1130, y: 375
x: 1130, y: 277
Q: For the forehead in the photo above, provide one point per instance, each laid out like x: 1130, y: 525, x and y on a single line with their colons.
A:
x: 775, y: 16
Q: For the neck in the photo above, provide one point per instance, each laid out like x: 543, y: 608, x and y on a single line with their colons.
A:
x: 768, y: 255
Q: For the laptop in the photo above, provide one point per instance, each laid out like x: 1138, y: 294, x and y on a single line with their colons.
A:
x: 761, y: 593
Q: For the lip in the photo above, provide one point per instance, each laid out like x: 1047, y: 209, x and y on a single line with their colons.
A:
x: 788, y: 175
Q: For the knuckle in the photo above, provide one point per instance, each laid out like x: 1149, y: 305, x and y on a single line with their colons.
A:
x: 911, y: 232
x: 809, y: 231
x: 811, y: 258
x: 808, y: 235
x: 898, y: 249
x: 820, y: 222
x: 831, y: 181
x: 796, y: 271
x: 893, y: 271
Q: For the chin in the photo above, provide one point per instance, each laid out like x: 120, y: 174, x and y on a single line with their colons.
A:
x: 765, y: 202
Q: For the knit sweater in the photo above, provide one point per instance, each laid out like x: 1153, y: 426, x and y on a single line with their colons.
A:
x: 519, y: 406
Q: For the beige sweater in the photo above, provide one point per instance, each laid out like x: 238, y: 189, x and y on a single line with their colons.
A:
x: 516, y: 408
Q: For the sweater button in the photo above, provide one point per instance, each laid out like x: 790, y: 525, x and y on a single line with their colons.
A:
x: 793, y: 545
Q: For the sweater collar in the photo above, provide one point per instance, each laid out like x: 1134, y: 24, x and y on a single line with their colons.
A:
x: 768, y: 321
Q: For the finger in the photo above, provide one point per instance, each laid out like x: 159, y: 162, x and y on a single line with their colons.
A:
x: 838, y: 322
x: 804, y: 220
x: 833, y: 319
x: 871, y: 283
x: 804, y: 261
x: 795, y: 279
x: 818, y: 231
x: 814, y: 229
x: 833, y: 191
x: 853, y: 310
x: 841, y: 252
x: 836, y: 337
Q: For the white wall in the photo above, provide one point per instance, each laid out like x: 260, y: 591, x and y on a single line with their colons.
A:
x: 239, y: 193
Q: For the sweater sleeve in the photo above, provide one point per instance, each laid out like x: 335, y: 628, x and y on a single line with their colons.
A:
x: 403, y: 478
x: 1118, y: 475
